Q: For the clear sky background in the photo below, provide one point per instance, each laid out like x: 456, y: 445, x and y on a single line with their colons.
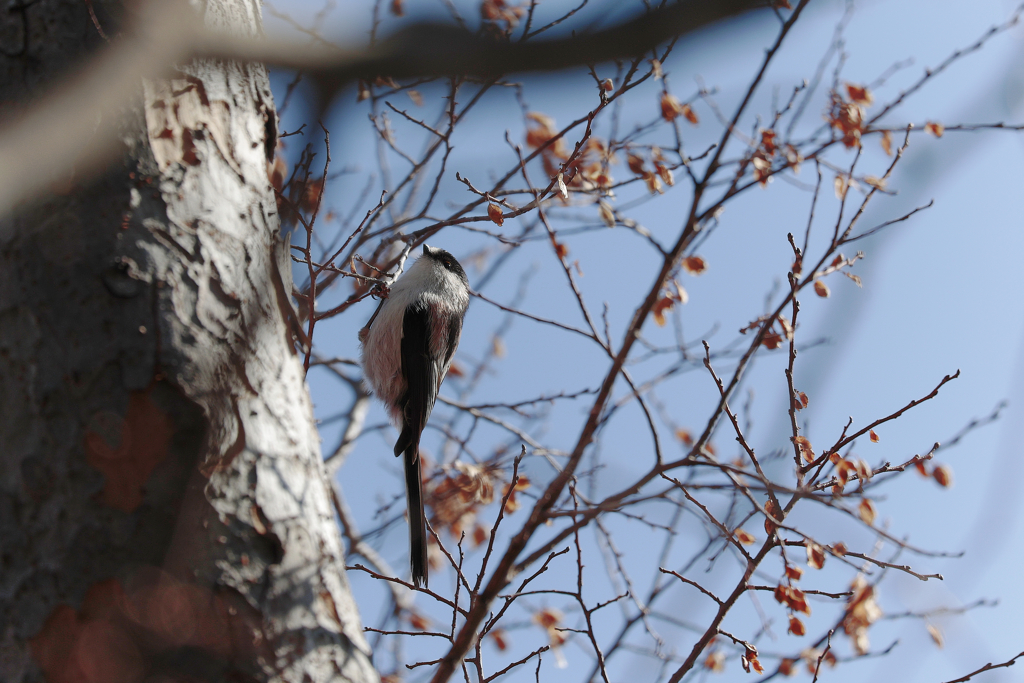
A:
x: 941, y: 292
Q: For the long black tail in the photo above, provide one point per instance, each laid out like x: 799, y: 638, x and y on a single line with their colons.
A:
x: 417, y: 516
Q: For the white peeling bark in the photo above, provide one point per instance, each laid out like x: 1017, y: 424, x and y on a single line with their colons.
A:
x: 164, y: 509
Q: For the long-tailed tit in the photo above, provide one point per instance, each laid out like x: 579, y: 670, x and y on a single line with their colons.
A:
x: 407, y: 349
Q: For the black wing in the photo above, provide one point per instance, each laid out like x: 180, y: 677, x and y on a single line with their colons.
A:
x: 420, y: 372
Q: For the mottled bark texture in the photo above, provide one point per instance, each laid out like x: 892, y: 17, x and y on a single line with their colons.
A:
x: 164, y: 511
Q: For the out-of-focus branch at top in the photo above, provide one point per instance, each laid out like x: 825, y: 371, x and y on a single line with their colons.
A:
x: 433, y: 49
x: 73, y: 131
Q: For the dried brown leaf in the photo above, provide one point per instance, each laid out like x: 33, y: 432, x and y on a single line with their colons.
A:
x: 815, y: 555
x: 494, y: 213
x: 661, y: 306
x: 841, y: 186
x: 859, y: 94
x: 794, y: 598
x: 875, y: 182
x: 943, y: 474
x: 671, y: 108
x: 653, y: 182
x: 694, y: 265
x: 715, y: 661
x: 744, y: 538
x: 936, y: 635
x: 772, y: 509
x: 500, y: 638
x: 887, y: 143
x: 804, y: 444
x: 867, y: 511
x: 635, y: 163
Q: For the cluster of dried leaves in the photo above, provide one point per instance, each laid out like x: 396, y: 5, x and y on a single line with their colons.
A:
x: 458, y: 496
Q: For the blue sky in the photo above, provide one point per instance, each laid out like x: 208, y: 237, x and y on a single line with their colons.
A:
x: 941, y: 293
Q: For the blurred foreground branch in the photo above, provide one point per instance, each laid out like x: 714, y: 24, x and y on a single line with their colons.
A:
x: 73, y: 132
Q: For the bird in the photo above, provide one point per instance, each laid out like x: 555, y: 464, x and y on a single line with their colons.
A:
x: 407, y: 348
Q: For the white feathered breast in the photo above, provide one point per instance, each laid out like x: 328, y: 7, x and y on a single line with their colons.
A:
x: 429, y: 282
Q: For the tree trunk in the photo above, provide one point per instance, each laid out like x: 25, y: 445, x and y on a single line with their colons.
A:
x: 164, y: 510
